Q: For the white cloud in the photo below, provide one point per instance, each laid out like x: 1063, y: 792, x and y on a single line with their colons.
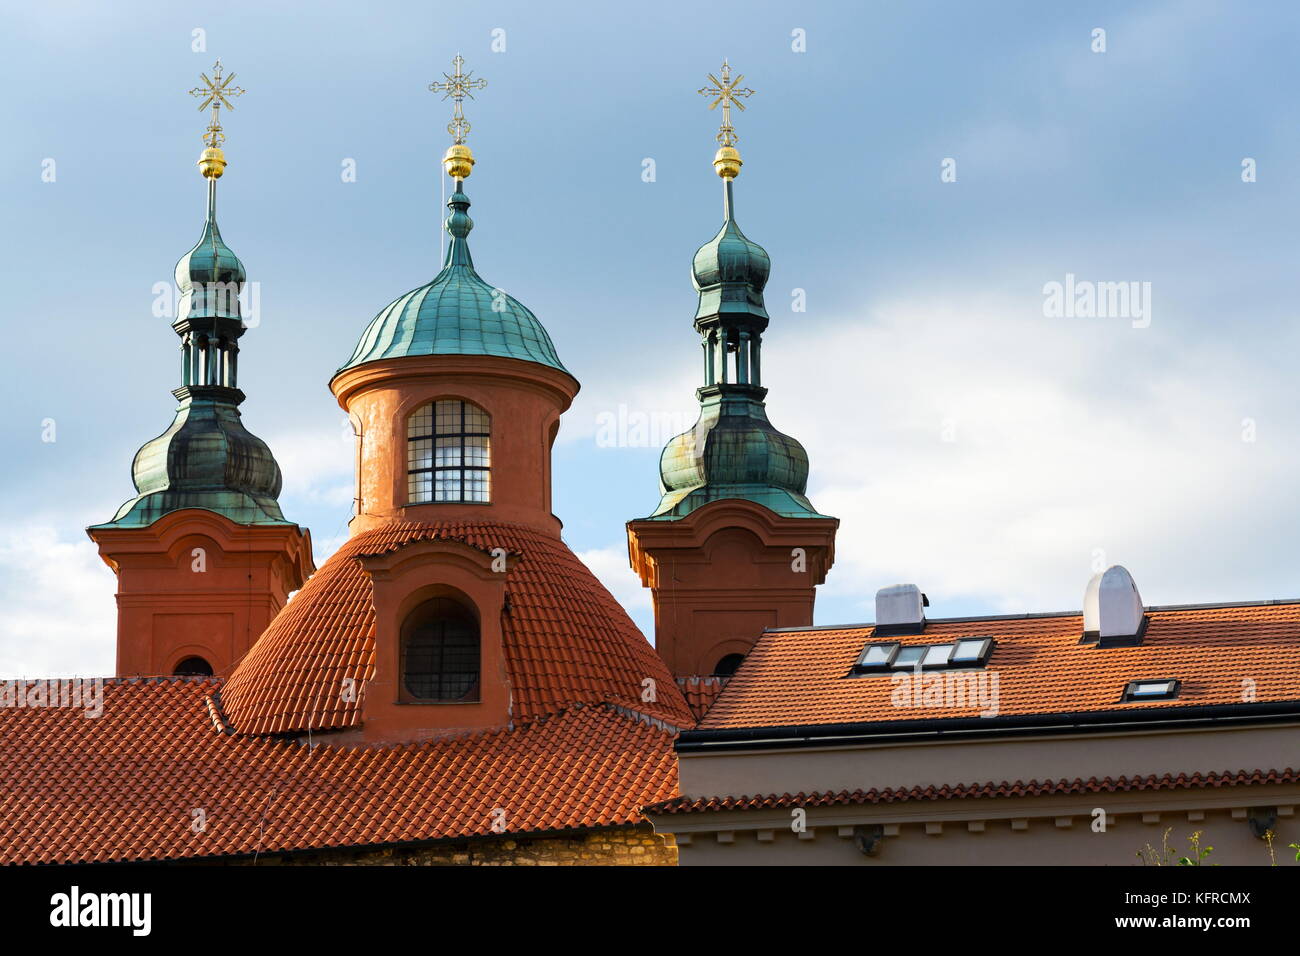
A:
x: 317, y: 464
x: 60, y: 614
x: 610, y: 565
x: 1072, y: 440
x: 1068, y: 435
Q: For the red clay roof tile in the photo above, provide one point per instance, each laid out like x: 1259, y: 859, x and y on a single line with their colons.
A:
x: 1033, y: 788
x: 566, y: 639
x: 1222, y: 655
x: 126, y: 785
x: 701, y: 692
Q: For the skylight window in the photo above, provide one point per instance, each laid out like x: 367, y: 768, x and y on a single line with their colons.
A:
x: 1140, y: 690
x: 972, y: 652
x: 909, y: 657
x: 877, y: 657
x: 937, y: 655
x: 892, y: 656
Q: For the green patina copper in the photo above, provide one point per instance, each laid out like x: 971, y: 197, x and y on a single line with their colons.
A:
x: 207, y: 458
x: 456, y: 314
x: 208, y: 273
x: 733, y: 451
x: 729, y: 272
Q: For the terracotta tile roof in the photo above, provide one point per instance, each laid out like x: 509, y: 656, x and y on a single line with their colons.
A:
x: 701, y: 692
x: 1033, y: 788
x: 1222, y: 655
x: 127, y: 785
x: 566, y: 639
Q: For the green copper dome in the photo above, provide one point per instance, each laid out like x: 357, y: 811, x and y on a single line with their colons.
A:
x: 206, y: 459
x: 210, y: 275
x: 733, y: 452
x: 456, y: 314
x: 730, y: 272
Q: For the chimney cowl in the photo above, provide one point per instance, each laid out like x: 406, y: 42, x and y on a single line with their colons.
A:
x: 1113, y: 615
x: 900, y: 609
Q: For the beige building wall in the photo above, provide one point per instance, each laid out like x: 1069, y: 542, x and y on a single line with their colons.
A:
x: 1000, y: 831
x: 1053, y: 829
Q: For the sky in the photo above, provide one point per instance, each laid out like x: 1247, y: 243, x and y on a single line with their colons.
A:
x: 920, y: 173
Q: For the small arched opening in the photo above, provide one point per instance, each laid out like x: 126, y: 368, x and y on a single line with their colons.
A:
x: 193, y: 666
x: 441, y: 653
x: 728, y: 665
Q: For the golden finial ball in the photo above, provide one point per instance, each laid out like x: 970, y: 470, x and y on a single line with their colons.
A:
x: 459, y: 161
x: 727, y: 162
x: 212, y: 163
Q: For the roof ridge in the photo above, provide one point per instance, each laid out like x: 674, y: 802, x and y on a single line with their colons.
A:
x: 1197, y: 779
x: 1036, y: 615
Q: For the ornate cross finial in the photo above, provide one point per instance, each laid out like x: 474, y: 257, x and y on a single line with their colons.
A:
x: 458, y: 86
x: 727, y: 92
x: 216, y: 92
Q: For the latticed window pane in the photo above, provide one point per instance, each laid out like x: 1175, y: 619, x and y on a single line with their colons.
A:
x: 446, y: 489
x: 449, y: 417
x: 476, y: 451
x: 419, y: 454
x: 419, y: 488
x: 420, y: 423
x: 449, y: 453
x: 477, y: 485
x: 476, y: 420
x: 440, y: 652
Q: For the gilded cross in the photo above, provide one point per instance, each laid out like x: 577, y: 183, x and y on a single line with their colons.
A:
x: 458, y: 86
x: 216, y: 92
x: 728, y: 92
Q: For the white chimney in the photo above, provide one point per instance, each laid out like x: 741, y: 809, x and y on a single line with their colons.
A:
x: 900, y: 609
x: 1112, y: 609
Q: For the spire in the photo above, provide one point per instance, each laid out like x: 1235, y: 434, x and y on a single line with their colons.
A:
x: 458, y: 84
x: 457, y: 312
x: 733, y: 451
x: 728, y: 93
x: 459, y: 159
x: 207, y: 459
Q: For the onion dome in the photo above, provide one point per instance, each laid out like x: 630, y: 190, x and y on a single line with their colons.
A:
x: 206, y: 458
x: 733, y: 451
x: 458, y: 313
x: 730, y: 271
x: 208, y: 269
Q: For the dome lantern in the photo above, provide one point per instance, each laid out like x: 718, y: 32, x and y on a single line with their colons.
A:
x: 733, y: 451
x: 457, y: 312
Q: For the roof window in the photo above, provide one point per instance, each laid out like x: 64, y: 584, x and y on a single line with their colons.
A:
x: 1140, y: 690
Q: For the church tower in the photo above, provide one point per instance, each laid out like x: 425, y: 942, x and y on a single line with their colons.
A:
x: 203, y: 556
x: 455, y: 604
x: 734, y: 546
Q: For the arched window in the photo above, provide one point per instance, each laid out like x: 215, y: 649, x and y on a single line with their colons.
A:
x: 449, y: 453
x: 440, y: 652
x: 193, y: 667
x: 728, y: 665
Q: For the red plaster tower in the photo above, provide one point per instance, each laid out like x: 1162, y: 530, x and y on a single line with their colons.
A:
x: 734, y: 546
x: 204, y: 558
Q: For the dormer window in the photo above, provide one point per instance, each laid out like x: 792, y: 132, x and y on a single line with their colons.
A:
x: 440, y: 653
x: 449, y: 453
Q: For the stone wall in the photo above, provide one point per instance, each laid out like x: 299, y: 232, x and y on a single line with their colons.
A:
x: 631, y: 846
